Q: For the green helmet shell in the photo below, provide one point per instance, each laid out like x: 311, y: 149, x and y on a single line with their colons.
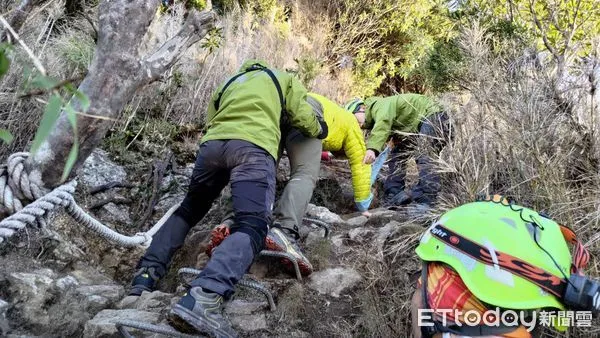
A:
x: 500, y: 228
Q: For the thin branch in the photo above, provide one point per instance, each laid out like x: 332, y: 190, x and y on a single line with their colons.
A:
x: 99, y: 117
x: 56, y: 87
x: 159, y: 170
x: 18, y: 15
x: 573, y: 26
x: 552, y: 12
x: 110, y: 185
x: 539, y: 25
x: 113, y: 199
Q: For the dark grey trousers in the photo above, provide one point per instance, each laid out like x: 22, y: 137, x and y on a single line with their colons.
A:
x: 434, y: 133
x: 251, y: 172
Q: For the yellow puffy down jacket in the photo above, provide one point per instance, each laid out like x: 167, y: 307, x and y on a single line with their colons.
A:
x: 345, y: 134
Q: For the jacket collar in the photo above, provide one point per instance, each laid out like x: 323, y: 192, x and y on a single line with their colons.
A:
x: 251, y: 62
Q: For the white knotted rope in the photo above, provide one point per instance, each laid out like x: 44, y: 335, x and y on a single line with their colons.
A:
x: 16, y: 186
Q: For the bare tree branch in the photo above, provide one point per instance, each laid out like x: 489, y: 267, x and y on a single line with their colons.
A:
x: 543, y: 32
x: 572, y: 27
x: 110, y: 185
x: 195, y: 27
x: 55, y: 87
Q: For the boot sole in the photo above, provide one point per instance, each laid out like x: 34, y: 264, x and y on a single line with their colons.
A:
x: 137, y: 290
x: 186, y: 321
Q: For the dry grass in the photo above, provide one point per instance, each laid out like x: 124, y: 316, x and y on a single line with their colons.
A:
x: 244, y: 36
x: 21, y: 116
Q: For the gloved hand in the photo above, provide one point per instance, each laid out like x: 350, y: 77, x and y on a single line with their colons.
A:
x: 364, y: 205
x: 326, y: 156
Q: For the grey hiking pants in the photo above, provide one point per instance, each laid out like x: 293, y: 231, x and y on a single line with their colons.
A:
x: 305, y: 161
x: 251, y: 172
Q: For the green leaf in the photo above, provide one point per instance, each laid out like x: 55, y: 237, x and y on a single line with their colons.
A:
x: 70, y: 88
x: 72, y: 117
x: 27, y: 71
x: 83, y: 100
x: 44, y: 82
x: 6, y: 136
x: 49, y: 119
x: 70, y: 160
x: 4, y: 63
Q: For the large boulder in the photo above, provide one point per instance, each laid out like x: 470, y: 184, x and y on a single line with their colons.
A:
x: 99, y: 169
x: 30, y: 293
x: 323, y: 214
x: 47, y: 303
x: 334, y: 281
x: 247, y: 316
x: 103, y: 324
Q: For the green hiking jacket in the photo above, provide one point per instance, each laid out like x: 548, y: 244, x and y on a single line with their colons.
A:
x: 250, y: 109
x: 401, y: 112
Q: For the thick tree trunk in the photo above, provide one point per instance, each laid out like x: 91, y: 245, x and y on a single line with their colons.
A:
x: 117, y: 71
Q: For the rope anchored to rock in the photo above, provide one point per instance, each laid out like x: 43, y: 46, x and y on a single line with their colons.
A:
x: 17, y: 185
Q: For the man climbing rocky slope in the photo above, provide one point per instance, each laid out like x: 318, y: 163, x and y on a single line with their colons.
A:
x: 68, y: 282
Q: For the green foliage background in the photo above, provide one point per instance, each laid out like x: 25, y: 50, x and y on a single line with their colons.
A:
x: 400, y: 46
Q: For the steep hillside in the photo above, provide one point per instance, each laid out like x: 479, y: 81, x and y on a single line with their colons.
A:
x: 519, y: 84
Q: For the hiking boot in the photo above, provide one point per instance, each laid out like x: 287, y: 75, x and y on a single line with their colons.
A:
x: 199, y: 311
x: 217, y: 235
x: 145, y: 279
x: 417, y: 210
x: 277, y: 240
x: 396, y: 199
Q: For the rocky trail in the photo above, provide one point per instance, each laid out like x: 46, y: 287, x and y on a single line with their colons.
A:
x: 63, y: 281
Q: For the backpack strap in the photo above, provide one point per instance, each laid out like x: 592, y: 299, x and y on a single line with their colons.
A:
x: 233, y: 78
x: 254, y: 67
x: 277, y: 86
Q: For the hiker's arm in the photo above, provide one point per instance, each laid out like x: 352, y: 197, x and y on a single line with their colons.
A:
x: 355, y: 149
x: 300, y: 113
x: 384, y: 115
